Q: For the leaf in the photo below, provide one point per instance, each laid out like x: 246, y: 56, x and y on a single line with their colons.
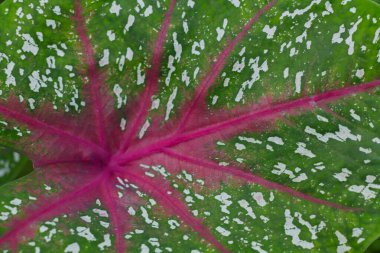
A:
x: 223, y: 126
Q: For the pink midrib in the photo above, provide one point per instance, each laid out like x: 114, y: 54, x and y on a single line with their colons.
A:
x: 210, y: 78
x: 94, y: 76
x: 176, y: 206
x: 260, y: 114
x: 12, y: 234
x: 153, y: 75
x: 249, y: 177
x: 65, y: 136
x: 109, y: 202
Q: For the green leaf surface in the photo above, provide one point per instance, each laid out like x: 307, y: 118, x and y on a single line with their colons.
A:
x: 13, y: 165
x: 280, y: 153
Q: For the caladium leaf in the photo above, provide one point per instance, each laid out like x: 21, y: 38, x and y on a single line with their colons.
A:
x: 191, y: 126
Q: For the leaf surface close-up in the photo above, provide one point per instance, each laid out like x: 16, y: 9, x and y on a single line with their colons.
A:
x: 189, y: 125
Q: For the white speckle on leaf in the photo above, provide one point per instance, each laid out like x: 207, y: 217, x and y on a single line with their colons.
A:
x: 329, y: 9
x: 106, y: 243
x: 302, y: 150
x: 322, y: 119
x: 35, y: 81
x: 215, y: 99
x: 85, y: 233
x: 223, y: 231
x: 50, y: 235
x: 100, y: 212
x: 117, y: 90
x: 57, y: 10
x: 224, y: 199
x: 280, y: 168
x: 173, y: 224
x: 141, y: 3
x: 58, y: 51
x: 341, y: 135
x: 145, y: 215
x: 72, y: 248
x: 366, y: 190
x: 337, y: 36
x: 356, y: 232
x: 105, y: 60
x: 155, y: 104
x: 343, y: 175
x: 236, y: 3
x: 277, y: 140
x: 298, y: 81
x: 51, y: 23
x: 111, y: 35
x: 144, y: 249
x: 299, y: 12
x: 269, y: 31
x: 144, y: 128
x: 259, y: 198
x: 239, y: 146
x: 359, y: 73
x: 365, y: 150
x: 342, y: 247
x: 50, y: 62
x: 129, y: 54
x: 257, y: 247
x: 244, y: 204
x: 221, y: 30
x: 239, y: 96
x: 86, y: 218
x: 292, y: 230
x: 349, y: 41
x: 377, y: 36
x: 190, y: 3
x: 140, y: 75
x: 16, y: 202
x: 254, y: 65
x: 148, y: 11
x: 4, y: 216
x: 29, y: 44
x: 185, y: 78
x: 131, y: 20
x: 131, y: 211
x: 185, y: 26
x: 286, y: 72
x: 177, y: 47
x: 239, y: 66
x: 196, y: 45
x: 354, y: 115
x: 171, y: 69
x: 170, y: 104
x: 115, y: 8
x: 11, y: 80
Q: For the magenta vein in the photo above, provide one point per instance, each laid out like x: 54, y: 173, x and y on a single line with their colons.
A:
x: 94, y: 75
x: 45, y: 210
x: 217, y: 67
x: 250, y: 177
x: 174, y: 205
x: 52, y: 130
x: 153, y: 75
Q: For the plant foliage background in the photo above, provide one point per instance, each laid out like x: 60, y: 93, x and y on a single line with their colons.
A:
x: 322, y: 155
